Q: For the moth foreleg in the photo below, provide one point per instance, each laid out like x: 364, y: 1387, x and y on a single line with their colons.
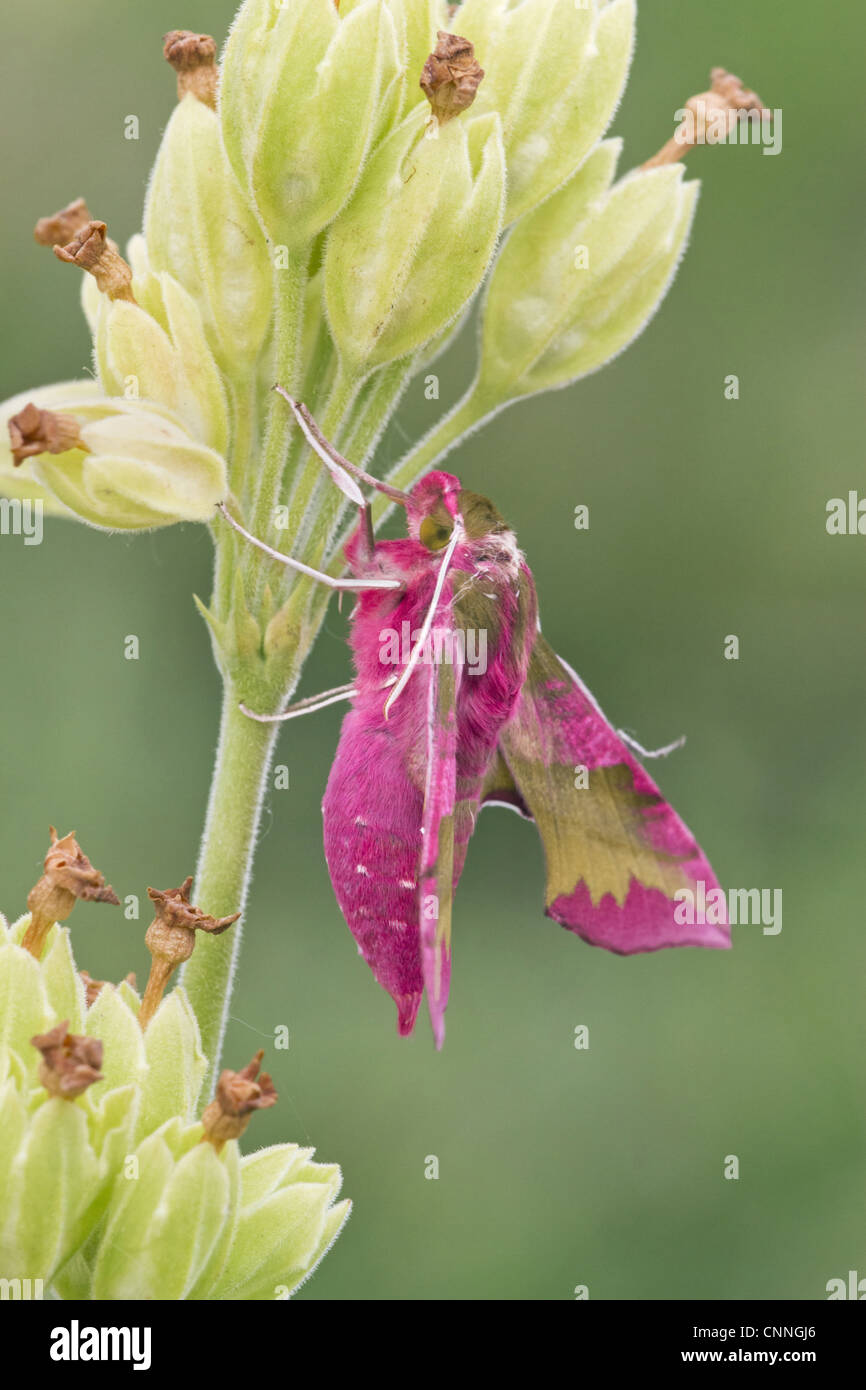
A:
x: 308, y: 706
x: 345, y: 474
x: 346, y: 585
x: 311, y: 704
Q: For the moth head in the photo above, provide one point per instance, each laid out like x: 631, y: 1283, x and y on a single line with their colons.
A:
x: 434, y: 506
x: 480, y: 517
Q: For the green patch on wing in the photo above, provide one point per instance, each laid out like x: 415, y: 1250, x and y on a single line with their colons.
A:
x: 593, y: 823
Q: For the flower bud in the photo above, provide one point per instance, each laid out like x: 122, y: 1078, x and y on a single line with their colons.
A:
x: 158, y: 351
x: 396, y: 275
x: 163, y: 1228
x: 54, y: 1165
x: 555, y: 73
x: 64, y: 987
x: 110, y: 1193
x: 288, y: 1220
x: 417, y: 23
x: 49, y: 1179
x: 580, y: 276
x: 175, y: 1062
x: 16, y: 478
x: 135, y: 466
x: 301, y: 97
x: 141, y: 472
x: 200, y: 228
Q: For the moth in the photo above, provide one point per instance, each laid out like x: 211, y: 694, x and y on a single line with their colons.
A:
x: 432, y: 738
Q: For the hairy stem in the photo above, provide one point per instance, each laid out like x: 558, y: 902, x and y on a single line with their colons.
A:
x: 225, y: 867
x: 290, y: 285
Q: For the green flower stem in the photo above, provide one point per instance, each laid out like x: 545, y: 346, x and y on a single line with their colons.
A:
x: 371, y: 413
x: 467, y: 415
x: 363, y: 428
x: 244, y: 405
x: 290, y: 285
x: 225, y: 866
x: 342, y: 397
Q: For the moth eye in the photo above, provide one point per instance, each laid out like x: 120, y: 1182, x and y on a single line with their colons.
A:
x: 433, y: 534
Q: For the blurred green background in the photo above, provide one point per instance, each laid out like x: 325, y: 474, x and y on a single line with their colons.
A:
x: 557, y: 1167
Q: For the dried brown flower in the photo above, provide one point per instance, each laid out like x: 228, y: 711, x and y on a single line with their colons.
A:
x: 70, y: 1063
x: 93, y: 988
x: 69, y: 875
x: 193, y: 57
x: 238, y: 1094
x: 96, y: 253
x: 33, y: 431
x: 451, y: 76
x: 62, y: 226
x: 170, y: 938
x: 726, y: 100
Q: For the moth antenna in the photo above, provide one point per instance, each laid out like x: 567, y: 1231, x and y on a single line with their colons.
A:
x: 341, y: 469
x: 415, y: 654
x: 651, y: 752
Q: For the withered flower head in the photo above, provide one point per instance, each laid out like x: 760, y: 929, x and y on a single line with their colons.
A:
x: 70, y: 1063
x: 69, y: 875
x: 721, y: 105
x: 93, y: 988
x: 33, y: 431
x: 62, y: 226
x: 170, y: 938
x: 451, y: 76
x: 193, y: 57
x: 727, y: 98
x: 732, y: 93
x: 238, y: 1094
x: 94, y: 252
x: 175, y: 913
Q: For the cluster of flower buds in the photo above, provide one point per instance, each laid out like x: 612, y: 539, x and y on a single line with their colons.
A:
x: 325, y: 203
x: 110, y: 1187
